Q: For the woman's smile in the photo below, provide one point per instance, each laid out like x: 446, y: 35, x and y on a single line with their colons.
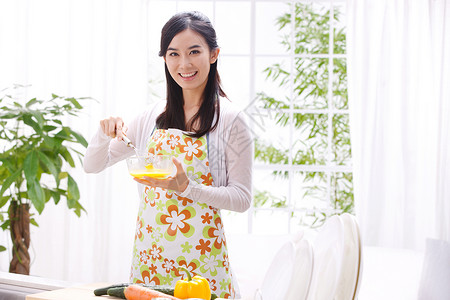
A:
x: 188, y: 76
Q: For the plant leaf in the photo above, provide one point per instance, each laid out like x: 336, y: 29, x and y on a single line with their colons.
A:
x: 36, y: 194
x: 2, y: 248
x: 50, y: 165
x: 67, y: 156
x: 49, y: 141
x: 33, y: 124
x: 47, y: 194
x: 63, y: 134
x: 75, y: 103
x: 79, y: 138
x: 56, y: 196
x: 30, y: 166
x: 4, y: 200
x: 33, y: 221
x: 72, y: 189
x: 78, y: 209
x: 49, y: 128
x: 39, y: 117
x: 5, y: 224
x: 31, y: 102
x: 7, y: 183
x: 73, y: 194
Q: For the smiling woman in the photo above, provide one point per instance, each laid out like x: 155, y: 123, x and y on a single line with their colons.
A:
x: 190, y: 52
x: 212, y: 150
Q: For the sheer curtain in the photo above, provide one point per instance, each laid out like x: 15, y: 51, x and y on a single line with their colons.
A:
x: 399, y: 70
x: 95, y: 48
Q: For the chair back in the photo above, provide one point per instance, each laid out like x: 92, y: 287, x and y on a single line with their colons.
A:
x: 328, y: 253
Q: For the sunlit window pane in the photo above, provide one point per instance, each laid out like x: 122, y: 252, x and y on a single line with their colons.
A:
x: 310, y: 142
x: 340, y: 33
x: 233, y: 26
x: 341, y: 140
x: 268, y: 36
x: 342, y: 188
x: 311, y: 83
x: 340, y: 95
x: 270, y: 73
x: 270, y: 188
x: 271, y: 139
x: 309, y: 190
x: 235, y: 75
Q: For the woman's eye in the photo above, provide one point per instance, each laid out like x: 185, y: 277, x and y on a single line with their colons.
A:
x: 173, y: 54
x: 195, y: 52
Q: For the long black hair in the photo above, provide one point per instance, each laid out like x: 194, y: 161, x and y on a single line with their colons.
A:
x: 173, y: 116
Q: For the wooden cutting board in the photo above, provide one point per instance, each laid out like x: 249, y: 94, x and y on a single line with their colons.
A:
x: 83, y: 292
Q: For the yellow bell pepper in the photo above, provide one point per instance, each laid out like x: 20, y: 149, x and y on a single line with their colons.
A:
x: 192, y: 287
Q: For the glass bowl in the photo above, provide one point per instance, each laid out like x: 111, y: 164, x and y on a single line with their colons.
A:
x: 155, y: 166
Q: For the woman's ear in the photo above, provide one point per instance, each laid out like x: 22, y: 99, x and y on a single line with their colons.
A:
x: 214, y: 55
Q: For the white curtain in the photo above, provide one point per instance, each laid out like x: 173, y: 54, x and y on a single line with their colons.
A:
x: 399, y: 95
x: 95, y: 48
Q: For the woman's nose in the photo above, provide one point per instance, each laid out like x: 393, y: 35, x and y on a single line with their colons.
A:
x: 185, y: 61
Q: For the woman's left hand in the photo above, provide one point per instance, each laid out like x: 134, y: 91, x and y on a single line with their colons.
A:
x: 177, y: 183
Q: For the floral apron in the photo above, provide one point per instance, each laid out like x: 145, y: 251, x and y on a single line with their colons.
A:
x: 174, y: 231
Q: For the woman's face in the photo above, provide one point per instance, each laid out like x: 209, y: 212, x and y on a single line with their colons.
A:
x: 188, y: 60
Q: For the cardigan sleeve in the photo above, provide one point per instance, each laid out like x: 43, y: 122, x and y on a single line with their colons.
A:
x: 236, y: 195
x: 104, y: 151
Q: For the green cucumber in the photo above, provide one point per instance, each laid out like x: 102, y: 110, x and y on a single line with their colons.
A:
x: 118, y: 292
x: 104, y: 290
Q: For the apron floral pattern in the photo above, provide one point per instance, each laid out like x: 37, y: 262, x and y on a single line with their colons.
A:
x: 174, y: 231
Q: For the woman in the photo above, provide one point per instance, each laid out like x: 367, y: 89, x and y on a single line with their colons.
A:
x: 179, y: 221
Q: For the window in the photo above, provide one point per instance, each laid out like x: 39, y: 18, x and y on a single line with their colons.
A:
x: 275, y: 63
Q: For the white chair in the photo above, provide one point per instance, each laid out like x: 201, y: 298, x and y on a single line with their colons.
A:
x: 351, y: 271
x: 302, y: 274
x: 361, y: 260
x: 279, y: 274
x: 249, y: 268
x: 328, y: 253
x: 289, y: 273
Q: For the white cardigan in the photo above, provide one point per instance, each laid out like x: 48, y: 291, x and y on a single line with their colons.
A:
x: 230, y: 154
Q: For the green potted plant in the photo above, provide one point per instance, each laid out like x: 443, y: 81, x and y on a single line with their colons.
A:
x: 37, y: 151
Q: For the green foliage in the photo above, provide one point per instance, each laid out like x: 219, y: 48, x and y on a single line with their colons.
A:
x: 262, y: 198
x: 310, y: 83
x: 37, y: 150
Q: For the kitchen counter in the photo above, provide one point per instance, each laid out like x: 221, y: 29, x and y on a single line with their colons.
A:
x: 82, y: 292
x: 25, y: 287
x: 18, y: 286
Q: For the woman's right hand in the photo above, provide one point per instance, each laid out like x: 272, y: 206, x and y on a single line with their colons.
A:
x: 113, y: 127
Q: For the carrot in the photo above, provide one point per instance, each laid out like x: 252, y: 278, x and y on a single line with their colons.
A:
x: 137, y: 292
